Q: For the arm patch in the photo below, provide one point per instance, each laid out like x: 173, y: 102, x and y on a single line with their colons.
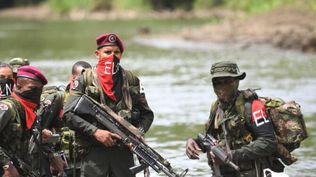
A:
x: 259, y: 116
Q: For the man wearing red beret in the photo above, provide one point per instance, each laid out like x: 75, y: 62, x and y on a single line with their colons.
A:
x: 17, y: 118
x: 17, y: 115
x: 119, y: 89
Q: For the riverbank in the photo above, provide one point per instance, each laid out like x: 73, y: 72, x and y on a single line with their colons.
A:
x: 285, y: 27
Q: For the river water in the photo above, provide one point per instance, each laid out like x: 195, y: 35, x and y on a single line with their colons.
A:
x: 175, y: 74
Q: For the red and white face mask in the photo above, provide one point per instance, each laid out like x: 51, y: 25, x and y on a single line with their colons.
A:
x: 108, y: 65
x: 107, y: 69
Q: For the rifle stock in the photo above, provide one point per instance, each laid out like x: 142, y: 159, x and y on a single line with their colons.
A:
x: 129, y: 134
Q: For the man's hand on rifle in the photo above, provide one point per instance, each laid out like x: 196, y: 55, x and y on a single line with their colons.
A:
x: 46, y: 134
x: 192, y: 149
x: 10, y: 170
x: 105, y: 137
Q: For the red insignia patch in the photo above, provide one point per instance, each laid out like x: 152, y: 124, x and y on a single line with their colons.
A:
x: 75, y: 84
x: 259, y: 115
x: 3, y: 107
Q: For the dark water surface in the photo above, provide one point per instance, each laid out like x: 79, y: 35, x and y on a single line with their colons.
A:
x: 175, y: 75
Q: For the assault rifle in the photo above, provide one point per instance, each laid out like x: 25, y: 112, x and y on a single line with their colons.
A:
x: 208, y: 143
x: 129, y: 134
x: 23, y: 168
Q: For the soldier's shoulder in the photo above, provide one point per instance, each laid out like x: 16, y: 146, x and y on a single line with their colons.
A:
x: 51, y: 92
x: 88, y: 77
x: 8, y: 105
x: 131, y: 77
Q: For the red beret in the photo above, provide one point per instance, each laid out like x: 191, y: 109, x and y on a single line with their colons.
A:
x: 32, y: 73
x: 108, y: 39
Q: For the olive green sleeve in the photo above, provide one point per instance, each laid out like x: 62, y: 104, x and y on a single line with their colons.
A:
x: 146, y: 115
x: 261, y: 147
x: 73, y: 121
x: 5, y: 114
x: 265, y: 143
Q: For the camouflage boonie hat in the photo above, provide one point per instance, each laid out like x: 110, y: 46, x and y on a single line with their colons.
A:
x: 17, y: 62
x: 226, y: 69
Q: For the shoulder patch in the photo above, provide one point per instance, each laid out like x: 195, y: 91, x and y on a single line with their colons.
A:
x: 75, y: 84
x: 259, y: 115
x: 3, y: 107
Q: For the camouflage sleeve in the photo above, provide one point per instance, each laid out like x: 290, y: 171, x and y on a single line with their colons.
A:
x: 73, y: 121
x: 146, y: 115
x: 51, y: 117
x: 264, y: 143
x: 5, y: 114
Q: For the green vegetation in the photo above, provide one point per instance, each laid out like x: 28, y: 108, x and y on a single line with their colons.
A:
x: 249, y: 6
x: 64, y: 6
x: 254, y: 6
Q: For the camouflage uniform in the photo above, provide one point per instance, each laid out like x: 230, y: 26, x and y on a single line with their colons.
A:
x: 99, y: 160
x: 14, y: 137
x: 249, y: 138
x: 252, y: 146
x: 53, y: 98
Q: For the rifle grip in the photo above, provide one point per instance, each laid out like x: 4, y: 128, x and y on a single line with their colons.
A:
x: 138, y: 168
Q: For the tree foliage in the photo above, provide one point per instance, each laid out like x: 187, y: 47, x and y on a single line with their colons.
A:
x: 63, y: 6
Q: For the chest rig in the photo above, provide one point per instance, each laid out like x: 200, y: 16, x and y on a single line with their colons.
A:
x: 231, y: 127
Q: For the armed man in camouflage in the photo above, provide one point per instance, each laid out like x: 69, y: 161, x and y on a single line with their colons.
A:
x: 17, y: 115
x: 119, y: 89
x: 6, y: 80
x: 50, y: 111
x: 69, y: 139
x: 249, y: 143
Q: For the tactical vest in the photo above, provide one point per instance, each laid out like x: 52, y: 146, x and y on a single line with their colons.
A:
x: 130, y: 89
x: 14, y: 138
x: 237, y: 120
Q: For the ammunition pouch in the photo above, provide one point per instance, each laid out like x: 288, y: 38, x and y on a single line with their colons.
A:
x: 73, y: 147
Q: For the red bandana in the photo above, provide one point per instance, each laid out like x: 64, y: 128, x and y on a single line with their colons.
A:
x: 107, y: 67
x: 29, y: 108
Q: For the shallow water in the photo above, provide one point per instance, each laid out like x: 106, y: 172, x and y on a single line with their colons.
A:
x: 175, y: 75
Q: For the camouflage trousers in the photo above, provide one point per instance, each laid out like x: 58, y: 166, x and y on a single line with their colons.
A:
x: 107, y: 162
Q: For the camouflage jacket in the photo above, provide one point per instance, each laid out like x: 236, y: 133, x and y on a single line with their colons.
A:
x: 133, y: 105
x: 14, y: 137
x: 249, y: 140
x: 51, y: 107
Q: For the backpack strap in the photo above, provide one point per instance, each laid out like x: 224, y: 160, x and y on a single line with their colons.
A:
x: 245, y: 106
x: 210, y: 122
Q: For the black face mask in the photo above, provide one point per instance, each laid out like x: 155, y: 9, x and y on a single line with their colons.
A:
x: 33, y: 95
x: 6, y: 87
